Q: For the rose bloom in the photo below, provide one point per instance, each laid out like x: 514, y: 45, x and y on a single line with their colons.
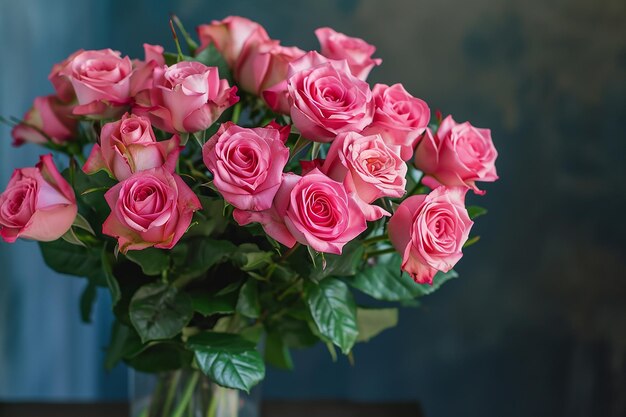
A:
x: 62, y: 84
x: 247, y: 164
x: 142, y: 77
x: 459, y: 154
x: 367, y: 167
x: 356, y: 51
x: 430, y: 231
x: 149, y: 208
x: 186, y: 97
x: 327, y: 99
x: 101, y: 81
x: 128, y: 146
x: 231, y: 36
x: 48, y: 120
x: 313, y: 210
x: 264, y: 65
x: 399, y: 118
x: 37, y: 204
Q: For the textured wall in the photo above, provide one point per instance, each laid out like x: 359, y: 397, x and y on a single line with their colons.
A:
x: 535, y: 326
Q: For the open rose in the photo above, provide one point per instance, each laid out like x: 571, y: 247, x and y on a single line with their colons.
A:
x: 149, y: 208
x: 356, y: 51
x: 48, y: 120
x: 313, y: 210
x: 37, y: 204
x: 61, y: 83
x: 128, y: 146
x: 327, y: 99
x: 368, y: 167
x: 399, y: 118
x: 186, y: 97
x: 101, y: 82
x: 231, y: 36
x: 247, y: 164
x: 430, y: 231
x: 459, y: 154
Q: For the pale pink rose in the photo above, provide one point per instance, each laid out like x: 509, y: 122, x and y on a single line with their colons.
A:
x: 186, y: 97
x: 128, y: 146
x: 264, y: 66
x: 62, y: 84
x: 48, y: 120
x: 37, y: 204
x: 101, y: 82
x: 327, y: 100
x: 459, y: 154
x: 430, y: 231
x: 367, y: 167
x: 142, y: 77
x: 247, y: 164
x: 231, y: 36
x: 399, y: 118
x: 149, y: 208
x: 356, y: 51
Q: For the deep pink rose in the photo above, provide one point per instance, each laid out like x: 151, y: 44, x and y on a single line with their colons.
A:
x: 430, y: 231
x: 356, y: 51
x: 367, y: 167
x: 48, y: 120
x: 186, y: 97
x: 264, y: 66
x: 149, y: 208
x: 247, y: 164
x: 313, y: 210
x: 399, y: 118
x: 37, y: 204
x: 231, y: 36
x: 101, y: 82
x: 327, y: 100
x: 458, y: 155
x: 128, y: 146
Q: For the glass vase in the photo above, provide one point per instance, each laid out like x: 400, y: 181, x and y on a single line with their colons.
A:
x: 188, y: 393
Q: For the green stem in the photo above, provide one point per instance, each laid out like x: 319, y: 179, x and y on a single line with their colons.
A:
x: 171, y: 392
x: 286, y: 291
x: 187, y: 393
x: 375, y: 239
x: 236, y: 113
x: 180, y: 51
x: 215, y: 399
x: 289, y: 252
x: 379, y: 252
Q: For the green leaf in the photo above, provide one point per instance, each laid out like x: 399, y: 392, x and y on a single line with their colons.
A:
x: 151, y: 260
x: 439, y: 279
x: 277, y: 352
x: 125, y: 343
x: 161, y: 357
x: 248, y: 302
x: 249, y: 258
x: 159, y: 311
x: 295, y: 333
x: 471, y: 241
x: 107, y: 268
x: 372, y: 321
x: 211, y: 57
x: 343, y: 265
x: 200, y: 255
x: 82, y: 223
x: 71, y: 238
x: 207, y: 304
x: 66, y: 258
x: 87, y: 300
x: 334, y: 311
x: 228, y: 359
x: 476, y: 211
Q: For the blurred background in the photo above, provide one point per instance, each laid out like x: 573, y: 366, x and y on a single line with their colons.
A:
x: 535, y: 326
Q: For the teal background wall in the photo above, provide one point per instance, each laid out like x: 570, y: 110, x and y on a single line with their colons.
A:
x: 534, y: 326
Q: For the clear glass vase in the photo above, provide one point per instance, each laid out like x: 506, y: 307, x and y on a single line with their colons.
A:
x: 188, y: 393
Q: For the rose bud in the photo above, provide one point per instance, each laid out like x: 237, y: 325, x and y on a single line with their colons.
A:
x: 356, y: 51
x: 37, y: 204
x: 429, y: 231
x: 142, y: 78
x: 128, y: 146
x: 459, y: 154
x: 149, y: 208
x: 247, y: 164
x: 48, y: 120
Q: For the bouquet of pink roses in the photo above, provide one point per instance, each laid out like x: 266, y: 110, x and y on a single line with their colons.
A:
x: 238, y: 194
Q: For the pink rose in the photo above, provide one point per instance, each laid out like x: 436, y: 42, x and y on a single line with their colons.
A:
x: 37, y: 204
x: 101, y: 82
x: 62, y: 84
x: 186, y: 97
x: 327, y: 100
x: 356, y: 51
x: 264, y: 66
x: 231, y: 36
x: 247, y: 164
x: 149, y: 208
x: 128, y: 146
x: 430, y: 231
x: 458, y: 155
x: 142, y: 77
x: 367, y: 167
x: 48, y: 120
x: 399, y: 118
x: 313, y: 210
